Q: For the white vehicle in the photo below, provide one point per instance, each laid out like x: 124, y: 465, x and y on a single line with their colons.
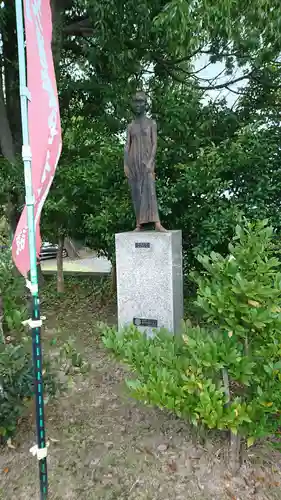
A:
x: 50, y: 251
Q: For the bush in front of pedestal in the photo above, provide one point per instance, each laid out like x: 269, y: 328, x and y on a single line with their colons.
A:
x: 184, y: 373
x: 227, y: 376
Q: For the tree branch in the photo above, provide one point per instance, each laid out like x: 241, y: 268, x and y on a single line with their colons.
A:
x: 201, y: 69
x: 226, y: 84
x: 172, y: 62
x: 82, y: 27
x: 235, y: 91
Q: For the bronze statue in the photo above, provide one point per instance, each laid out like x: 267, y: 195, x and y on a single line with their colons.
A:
x: 139, y: 164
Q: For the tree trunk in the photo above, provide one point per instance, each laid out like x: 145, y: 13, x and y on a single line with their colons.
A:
x: 58, y: 8
x: 10, y: 119
x: 234, y: 453
x: 11, y: 77
x: 60, y: 277
x: 6, y: 138
x: 234, y: 457
x: 71, y: 250
x: 113, y: 279
x: 40, y: 276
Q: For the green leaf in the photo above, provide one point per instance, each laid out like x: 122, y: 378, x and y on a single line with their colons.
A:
x: 250, y: 441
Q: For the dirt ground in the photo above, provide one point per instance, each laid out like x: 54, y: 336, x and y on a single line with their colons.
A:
x: 103, y: 445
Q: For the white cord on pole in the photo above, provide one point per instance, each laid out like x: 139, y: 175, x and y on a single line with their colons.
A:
x: 41, y: 453
x: 34, y: 323
x: 26, y: 152
x: 32, y: 287
x: 24, y: 91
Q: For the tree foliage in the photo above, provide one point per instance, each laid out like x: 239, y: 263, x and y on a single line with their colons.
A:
x: 213, y: 162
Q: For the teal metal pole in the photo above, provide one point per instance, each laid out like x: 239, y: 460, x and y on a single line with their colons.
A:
x: 36, y: 320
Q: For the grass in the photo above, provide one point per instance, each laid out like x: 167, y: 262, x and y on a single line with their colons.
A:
x: 103, y: 445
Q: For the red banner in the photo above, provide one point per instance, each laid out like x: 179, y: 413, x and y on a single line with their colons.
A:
x: 43, y: 121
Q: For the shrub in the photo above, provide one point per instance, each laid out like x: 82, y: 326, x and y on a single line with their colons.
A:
x: 12, y: 291
x: 184, y: 374
x: 16, y: 367
x: 241, y: 297
x: 16, y: 384
x: 226, y: 376
x: 16, y: 380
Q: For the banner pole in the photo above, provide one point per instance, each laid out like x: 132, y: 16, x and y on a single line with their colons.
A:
x: 36, y: 321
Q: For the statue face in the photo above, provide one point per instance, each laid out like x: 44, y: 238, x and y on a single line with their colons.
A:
x: 139, y: 105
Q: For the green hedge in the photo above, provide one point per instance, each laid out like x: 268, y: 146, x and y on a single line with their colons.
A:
x: 225, y: 376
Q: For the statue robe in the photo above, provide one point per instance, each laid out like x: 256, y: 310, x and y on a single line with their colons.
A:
x: 142, y: 182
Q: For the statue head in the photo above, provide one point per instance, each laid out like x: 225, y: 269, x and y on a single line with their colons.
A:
x: 139, y: 103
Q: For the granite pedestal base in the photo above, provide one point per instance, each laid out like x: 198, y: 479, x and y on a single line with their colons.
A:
x: 149, y: 280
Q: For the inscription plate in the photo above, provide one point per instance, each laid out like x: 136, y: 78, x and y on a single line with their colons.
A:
x: 142, y: 244
x: 153, y: 323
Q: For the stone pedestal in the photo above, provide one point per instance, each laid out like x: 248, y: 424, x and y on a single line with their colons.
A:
x: 149, y: 280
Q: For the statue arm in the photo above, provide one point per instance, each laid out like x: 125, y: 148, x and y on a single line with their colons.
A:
x: 127, y: 146
x: 154, y: 146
